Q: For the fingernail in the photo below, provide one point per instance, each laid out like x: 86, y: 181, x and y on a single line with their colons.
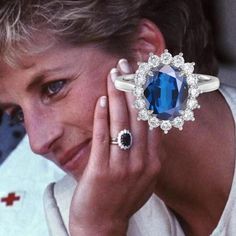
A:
x: 113, y: 74
x: 124, y: 65
x: 103, y: 101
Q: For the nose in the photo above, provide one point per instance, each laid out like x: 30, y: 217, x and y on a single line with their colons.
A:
x: 43, y: 131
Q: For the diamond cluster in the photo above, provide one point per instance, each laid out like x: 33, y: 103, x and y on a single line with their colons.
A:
x: 167, y: 85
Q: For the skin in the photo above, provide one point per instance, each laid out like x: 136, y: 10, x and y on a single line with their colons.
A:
x: 43, y: 117
x: 54, y: 133
x: 190, y: 170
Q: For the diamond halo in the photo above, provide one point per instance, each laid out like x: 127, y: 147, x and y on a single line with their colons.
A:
x: 124, y: 139
x: 146, y: 71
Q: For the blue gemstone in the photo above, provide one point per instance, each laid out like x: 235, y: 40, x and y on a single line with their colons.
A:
x: 166, y: 93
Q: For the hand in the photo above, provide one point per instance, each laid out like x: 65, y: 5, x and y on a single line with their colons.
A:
x: 115, y: 183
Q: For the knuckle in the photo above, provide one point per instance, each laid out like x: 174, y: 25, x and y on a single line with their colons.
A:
x: 137, y: 168
x: 100, y: 115
x: 99, y: 175
x: 120, y: 174
x: 154, y: 167
x: 120, y: 123
x: 101, y: 137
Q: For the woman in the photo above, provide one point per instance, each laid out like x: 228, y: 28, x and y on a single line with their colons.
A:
x: 58, y: 63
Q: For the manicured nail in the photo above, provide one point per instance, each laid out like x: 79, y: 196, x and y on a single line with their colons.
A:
x: 103, y: 101
x: 124, y: 65
x: 113, y: 74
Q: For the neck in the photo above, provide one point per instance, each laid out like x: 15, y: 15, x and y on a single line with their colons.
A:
x: 198, y: 167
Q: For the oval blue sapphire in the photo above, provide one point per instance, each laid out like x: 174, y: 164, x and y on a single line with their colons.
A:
x: 166, y: 93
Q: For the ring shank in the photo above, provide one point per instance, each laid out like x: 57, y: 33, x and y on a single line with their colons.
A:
x: 114, y: 141
x: 206, y: 83
x: 124, y: 85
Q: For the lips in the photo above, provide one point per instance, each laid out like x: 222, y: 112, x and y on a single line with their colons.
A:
x: 71, y: 159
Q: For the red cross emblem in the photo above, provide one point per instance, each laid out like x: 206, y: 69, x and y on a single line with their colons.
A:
x: 10, y: 199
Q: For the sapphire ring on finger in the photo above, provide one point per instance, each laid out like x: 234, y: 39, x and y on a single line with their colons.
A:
x: 123, y: 140
x: 166, y: 90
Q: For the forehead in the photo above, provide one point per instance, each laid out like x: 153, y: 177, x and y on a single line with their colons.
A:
x: 57, y: 62
x: 58, y: 59
x: 57, y: 56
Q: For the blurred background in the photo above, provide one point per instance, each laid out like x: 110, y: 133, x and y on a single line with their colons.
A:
x: 10, y: 136
x: 222, y: 17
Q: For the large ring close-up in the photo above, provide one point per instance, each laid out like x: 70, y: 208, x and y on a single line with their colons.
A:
x: 166, y: 90
x: 123, y: 140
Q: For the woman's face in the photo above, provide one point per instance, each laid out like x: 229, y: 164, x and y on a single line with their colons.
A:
x: 57, y: 91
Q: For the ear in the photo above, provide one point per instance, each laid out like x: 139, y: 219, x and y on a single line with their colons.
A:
x: 149, y: 39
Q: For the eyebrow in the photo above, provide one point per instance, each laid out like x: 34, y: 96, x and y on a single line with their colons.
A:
x: 40, y: 77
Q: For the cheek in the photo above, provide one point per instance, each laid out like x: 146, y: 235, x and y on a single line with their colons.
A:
x: 81, y: 103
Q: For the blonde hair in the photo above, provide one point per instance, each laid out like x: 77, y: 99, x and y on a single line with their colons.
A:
x: 74, y: 22
x: 112, y: 24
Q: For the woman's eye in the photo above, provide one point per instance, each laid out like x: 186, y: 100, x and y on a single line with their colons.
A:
x: 54, y: 87
x: 16, y: 116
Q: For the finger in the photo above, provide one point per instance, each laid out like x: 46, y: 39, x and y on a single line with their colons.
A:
x: 119, y: 118
x: 99, y: 155
x: 124, y: 69
x: 155, y: 148
x: 139, y: 129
